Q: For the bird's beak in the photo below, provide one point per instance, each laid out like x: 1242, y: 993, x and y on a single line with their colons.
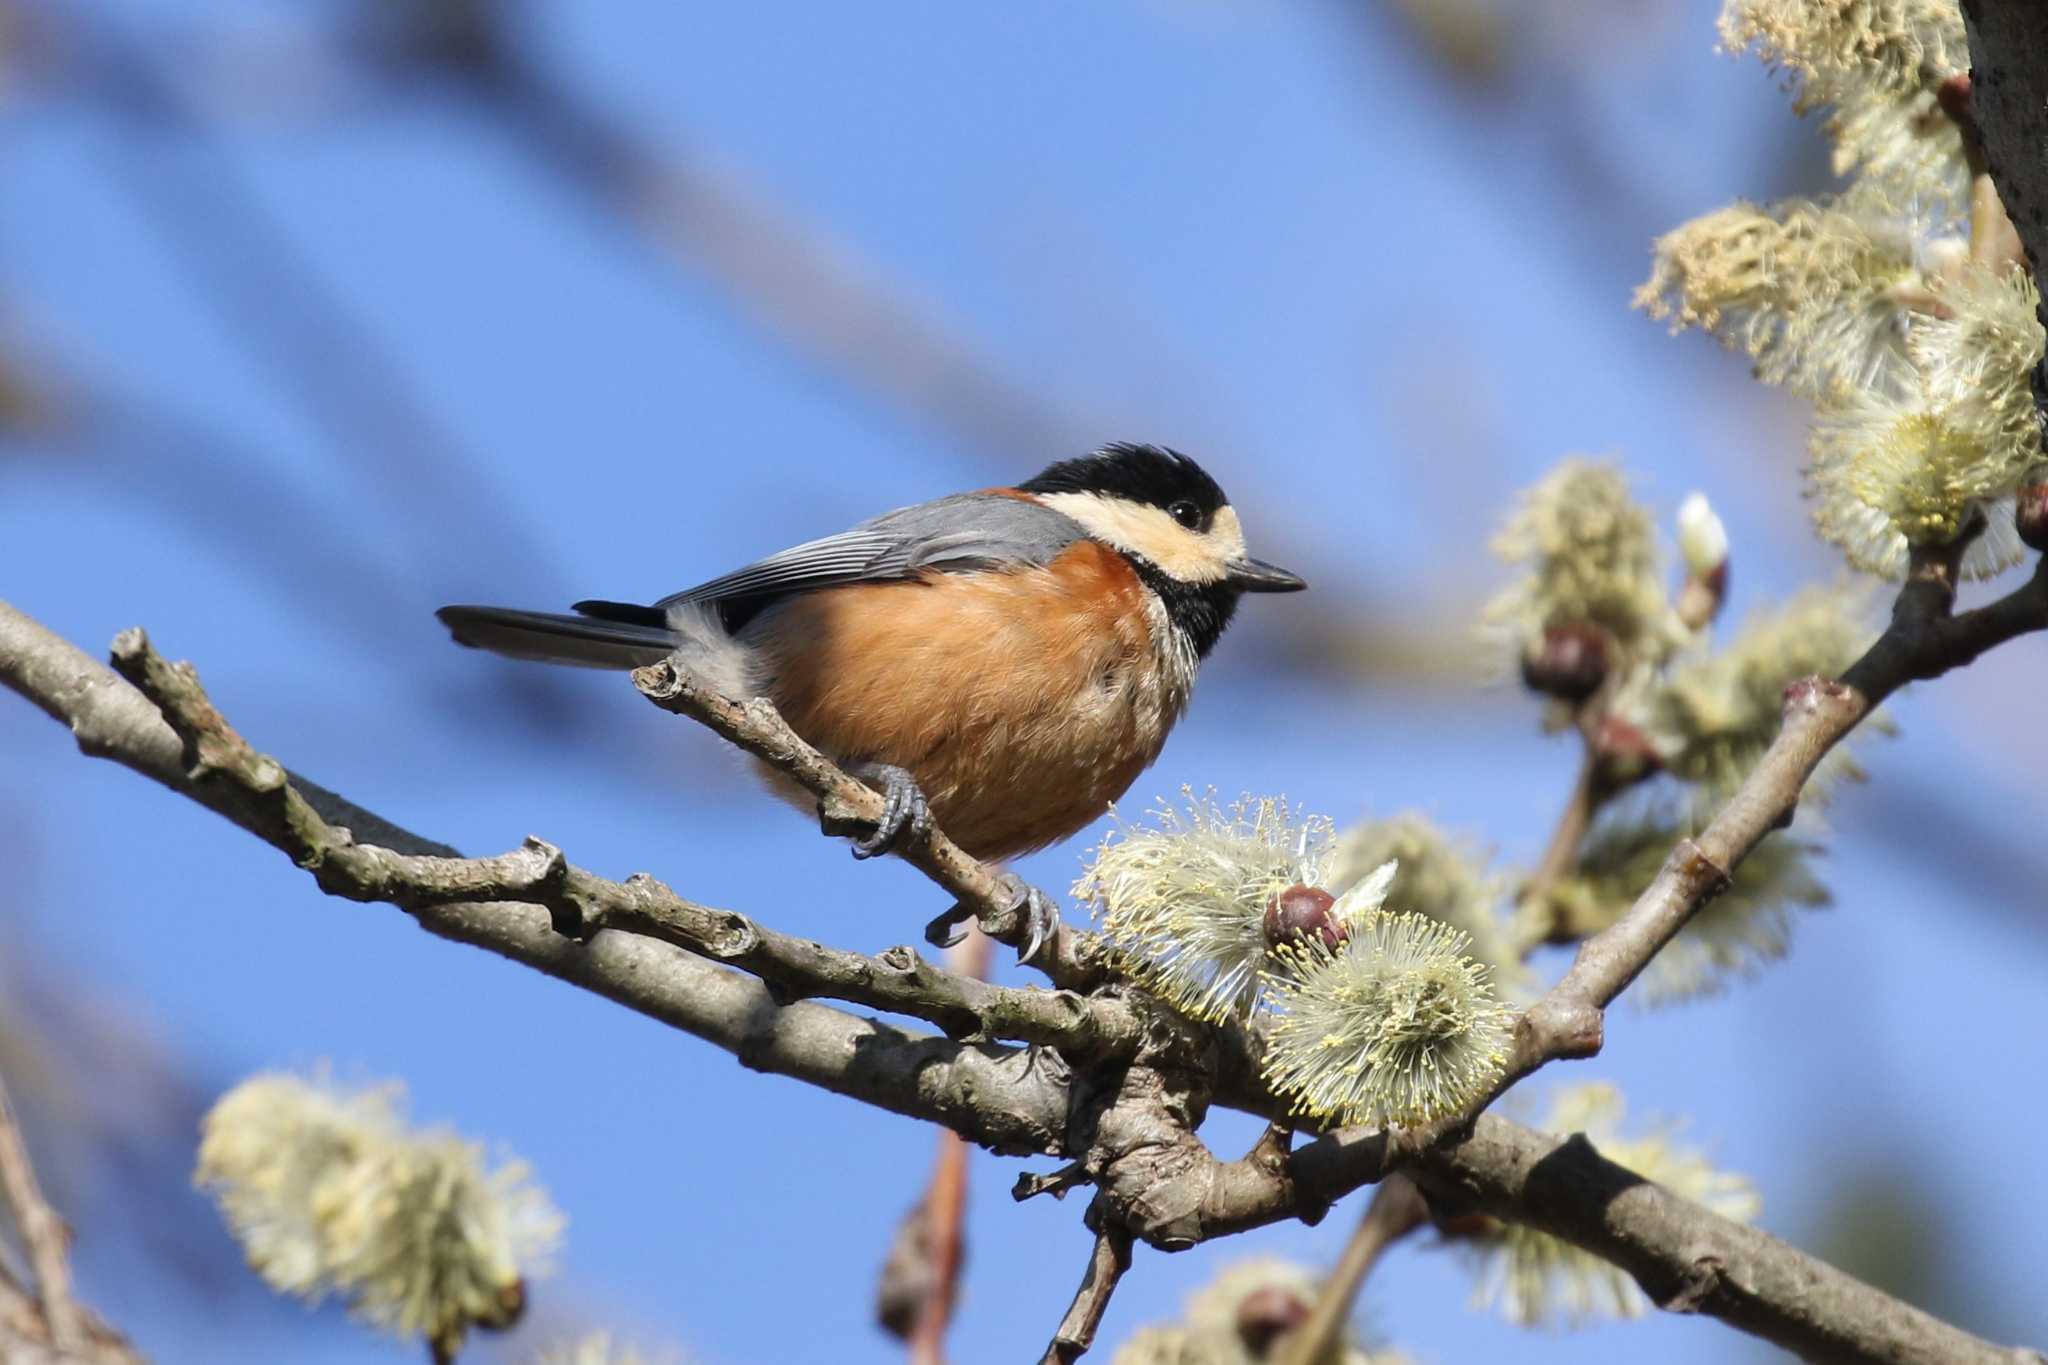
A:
x: 1256, y: 575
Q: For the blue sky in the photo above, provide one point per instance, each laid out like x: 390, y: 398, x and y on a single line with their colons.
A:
x: 1374, y: 302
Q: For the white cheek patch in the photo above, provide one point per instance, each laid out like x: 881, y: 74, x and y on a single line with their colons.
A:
x: 1226, y: 535
x: 1150, y: 532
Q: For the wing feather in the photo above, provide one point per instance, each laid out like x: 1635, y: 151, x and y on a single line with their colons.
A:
x: 956, y: 534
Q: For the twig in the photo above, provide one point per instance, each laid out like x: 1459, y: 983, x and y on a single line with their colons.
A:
x: 1107, y: 1261
x: 760, y: 730
x: 945, y: 1203
x: 1925, y: 639
x: 1397, y: 1209
x: 47, y: 1238
x: 1534, y: 920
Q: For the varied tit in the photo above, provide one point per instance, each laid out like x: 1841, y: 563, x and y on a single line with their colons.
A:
x: 1003, y: 662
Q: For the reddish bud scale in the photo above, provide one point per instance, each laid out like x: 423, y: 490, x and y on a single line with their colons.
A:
x: 1569, y: 663
x: 1267, y: 1314
x: 1300, y: 912
x: 1626, y: 753
x: 2030, y: 515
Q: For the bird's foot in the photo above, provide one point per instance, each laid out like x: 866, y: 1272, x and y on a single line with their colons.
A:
x: 904, y: 809
x: 1041, y: 918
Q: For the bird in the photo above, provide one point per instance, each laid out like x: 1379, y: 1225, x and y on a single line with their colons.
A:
x: 1003, y: 662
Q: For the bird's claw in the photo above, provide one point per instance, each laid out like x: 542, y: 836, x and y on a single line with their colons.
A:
x: 950, y: 928
x: 1041, y: 918
x: 904, y: 809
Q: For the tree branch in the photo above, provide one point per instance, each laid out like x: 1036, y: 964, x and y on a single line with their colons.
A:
x: 2008, y: 105
x: 48, y: 1327
x: 1687, y: 1259
x: 44, y: 1233
x: 1130, y: 1126
x: 1924, y: 640
x: 944, y: 1205
x: 1397, y: 1209
x: 1108, y: 1259
x: 1000, y: 1097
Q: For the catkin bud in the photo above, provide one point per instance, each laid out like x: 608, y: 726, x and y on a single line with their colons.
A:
x: 1703, y: 542
x: 2030, y: 513
x: 1266, y: 1315
x: 1567, y: 662
x: 1702, y: 539
x: 1300, y: 912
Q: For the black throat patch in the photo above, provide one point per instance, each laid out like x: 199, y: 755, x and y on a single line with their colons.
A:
x: 1199, y: 611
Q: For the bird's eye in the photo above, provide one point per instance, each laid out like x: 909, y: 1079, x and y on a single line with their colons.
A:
x: 1186, y: 513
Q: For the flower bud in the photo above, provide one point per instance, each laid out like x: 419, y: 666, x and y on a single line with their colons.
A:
x: 2030, y: 514
x: 1569, y: 663
x: 1268, y: 1314
x: 1953, y: 96
x: 1702, y: 539
x: 1626, y: 754
x: 1301, y: 912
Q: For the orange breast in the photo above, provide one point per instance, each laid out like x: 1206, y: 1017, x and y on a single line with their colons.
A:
x: 1023, y: 702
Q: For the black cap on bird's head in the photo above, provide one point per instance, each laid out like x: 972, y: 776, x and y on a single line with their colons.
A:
x: 1153, y: 475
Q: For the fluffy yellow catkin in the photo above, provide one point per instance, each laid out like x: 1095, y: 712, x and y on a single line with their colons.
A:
x: 1182, y: 899
x: 1831, y: 46
x: 1396, y: 1025
x: 1589, y: 555
x: 330, y: 1194
x: 598, y: 1348
x: 1876, y: 64
x: 1533, y: 1279
x: 1739, y: 932
x: 1214, y: 1328
x: 1712, y: 715
x: 1943, y: 436
x: 1806, y: 288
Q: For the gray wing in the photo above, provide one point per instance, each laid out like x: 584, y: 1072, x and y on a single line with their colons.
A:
x: 956, y: 534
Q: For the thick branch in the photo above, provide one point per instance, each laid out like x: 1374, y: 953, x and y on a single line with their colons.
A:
x: 1687, y: 1259
x: 2008, y: 98
x: 999, y: 1097
x: 944, y: 1204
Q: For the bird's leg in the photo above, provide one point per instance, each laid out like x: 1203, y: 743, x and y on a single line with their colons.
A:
x: 904, y: 808
x: 1041, y: 918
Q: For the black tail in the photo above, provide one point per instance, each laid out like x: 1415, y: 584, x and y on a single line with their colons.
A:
x: 556, y: 639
